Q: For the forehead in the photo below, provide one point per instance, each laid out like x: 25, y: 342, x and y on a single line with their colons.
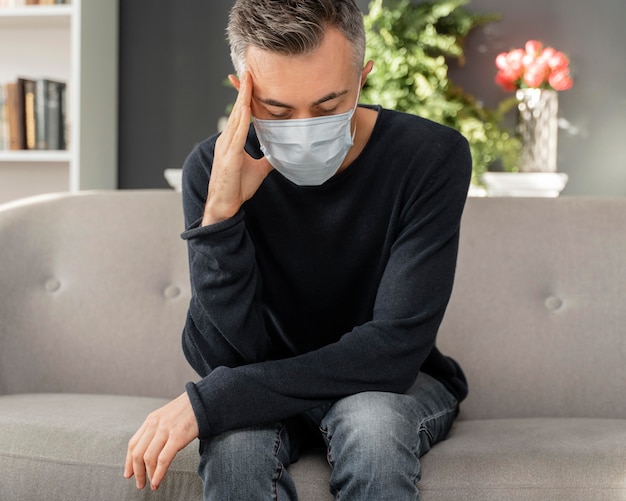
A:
x: 329, y: 68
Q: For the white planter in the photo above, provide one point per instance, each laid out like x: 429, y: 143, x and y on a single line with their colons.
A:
x: 524, y: 184
x: 537, y: 128
x: 174, y: 178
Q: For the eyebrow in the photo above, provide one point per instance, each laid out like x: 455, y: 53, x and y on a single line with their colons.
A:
x: 278, y: 104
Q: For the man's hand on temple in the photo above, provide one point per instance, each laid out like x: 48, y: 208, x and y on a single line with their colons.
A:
x: 235, y: 175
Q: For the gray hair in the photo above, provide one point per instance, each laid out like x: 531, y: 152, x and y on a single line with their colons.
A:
x: 292, y: 27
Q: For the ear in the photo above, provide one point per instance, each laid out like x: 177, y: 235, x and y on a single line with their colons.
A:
x: 234, y: 81
x: 366, y: 71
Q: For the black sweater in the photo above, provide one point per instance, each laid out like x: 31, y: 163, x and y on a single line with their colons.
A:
x: 310, y: 294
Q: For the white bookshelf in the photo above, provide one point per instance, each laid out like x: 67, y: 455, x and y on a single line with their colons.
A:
x: 76, y: 43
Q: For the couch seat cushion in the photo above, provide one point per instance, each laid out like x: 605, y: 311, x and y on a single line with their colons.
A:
x: 528, y: 459
x: 69, y: 447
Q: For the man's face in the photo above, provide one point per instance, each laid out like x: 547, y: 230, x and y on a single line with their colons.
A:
x: 321, y: 83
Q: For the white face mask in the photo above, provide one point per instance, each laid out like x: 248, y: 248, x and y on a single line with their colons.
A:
x: 307, y: 151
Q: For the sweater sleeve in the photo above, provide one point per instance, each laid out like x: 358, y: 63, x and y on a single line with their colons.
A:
x: 224, y: 325
x: 383, y: 354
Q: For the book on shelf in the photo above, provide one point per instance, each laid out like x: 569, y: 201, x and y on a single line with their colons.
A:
x: 14, y: 113
x: 22, y: 3
x: 30, y: 133
x: 49, y: 121
x: 33, y: 115
x: 4, y: 120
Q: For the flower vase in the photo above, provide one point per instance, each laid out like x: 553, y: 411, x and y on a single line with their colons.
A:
x: 538, y: 129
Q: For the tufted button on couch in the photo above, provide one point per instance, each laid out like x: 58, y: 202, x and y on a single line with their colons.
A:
x: 93, y: 294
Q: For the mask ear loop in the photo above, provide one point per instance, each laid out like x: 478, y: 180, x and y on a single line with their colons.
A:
x: 356, y: 105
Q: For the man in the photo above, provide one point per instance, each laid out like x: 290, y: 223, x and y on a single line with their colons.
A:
x: 322, y: 245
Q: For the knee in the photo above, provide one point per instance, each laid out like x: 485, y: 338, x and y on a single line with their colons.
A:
x: 249, y: 453
x: 370, y: 426
x: 228, y: 449
x: 372, y: 447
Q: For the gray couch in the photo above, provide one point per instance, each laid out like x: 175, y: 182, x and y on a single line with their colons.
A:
x: 93, y: 294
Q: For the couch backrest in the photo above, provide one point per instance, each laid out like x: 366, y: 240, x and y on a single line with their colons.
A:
x: 94, y: 289
x: 538, y: 313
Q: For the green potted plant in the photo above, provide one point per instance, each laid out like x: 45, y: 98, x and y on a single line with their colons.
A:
x: 412, y: 45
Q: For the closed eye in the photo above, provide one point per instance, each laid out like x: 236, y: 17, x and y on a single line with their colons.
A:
x: 326, y: 111
x: 278, y: 116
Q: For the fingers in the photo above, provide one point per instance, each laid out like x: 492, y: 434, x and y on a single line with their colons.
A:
x: 244, y: 89
x: 135, y: 463
x: 225, y: 190
x: 148, y: 457
x: 162, y: 464
x: 234, y: 135
x: 128, y: 463
x: 129, y: 471
x: 152, y: 449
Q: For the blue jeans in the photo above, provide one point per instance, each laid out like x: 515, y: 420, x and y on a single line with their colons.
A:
x: 374, y: 442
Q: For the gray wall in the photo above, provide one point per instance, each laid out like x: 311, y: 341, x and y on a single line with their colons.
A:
x: 591, y: 33
x: 174, y: 59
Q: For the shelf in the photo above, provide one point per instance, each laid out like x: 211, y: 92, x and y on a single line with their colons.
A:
x: 524, y: 184
x: 35, y: 16
x: 34, y: 156
x: 75, y: 43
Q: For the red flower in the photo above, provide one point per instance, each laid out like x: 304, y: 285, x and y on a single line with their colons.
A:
x: 535, y: 73
x: 560, y: 80
x: 558, y: 61
x: 535, y: 66
x: 533, y: 48
x: 504, y: 81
